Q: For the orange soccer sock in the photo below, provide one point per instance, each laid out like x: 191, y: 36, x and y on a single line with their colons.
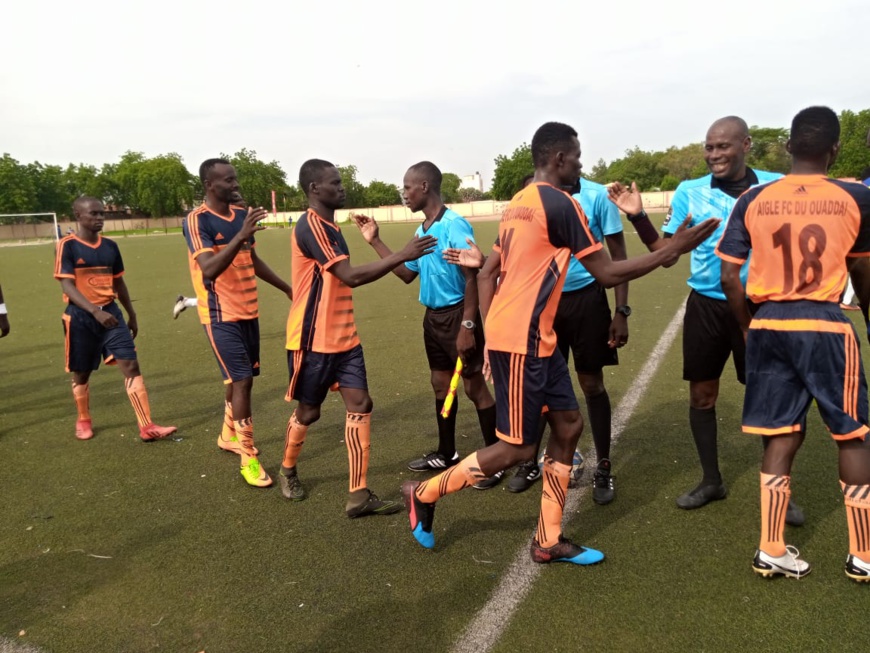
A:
x: 245, y: 433
x: 555, y: 487
x: 228, y: 430
x: 293, y: 441
x: 358, y: 438
x: 82, y: 395
x: 466, y: 473
x: 138, y: 396
x: 857, y: 498
x: 775, y: 493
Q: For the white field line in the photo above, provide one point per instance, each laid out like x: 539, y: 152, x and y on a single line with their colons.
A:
x: 494, y: 617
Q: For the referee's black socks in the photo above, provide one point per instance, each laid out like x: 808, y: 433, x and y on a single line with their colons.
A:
x: 704, y: 430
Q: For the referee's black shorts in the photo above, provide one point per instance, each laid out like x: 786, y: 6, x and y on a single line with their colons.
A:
x: 582, y: 325
x: 710, y: 335
x: 440, y: 330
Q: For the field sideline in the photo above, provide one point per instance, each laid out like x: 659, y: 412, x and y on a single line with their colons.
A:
x: 112, y: 545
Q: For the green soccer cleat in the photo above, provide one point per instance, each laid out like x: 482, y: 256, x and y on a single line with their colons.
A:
x: 254, y: 474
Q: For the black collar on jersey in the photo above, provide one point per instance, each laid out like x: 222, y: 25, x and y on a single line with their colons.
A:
x: 735, y: 188
x: 437, y: 217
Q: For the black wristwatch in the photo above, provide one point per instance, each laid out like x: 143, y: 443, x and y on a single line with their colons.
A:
x: 625, y: 309
x: 635, y: 217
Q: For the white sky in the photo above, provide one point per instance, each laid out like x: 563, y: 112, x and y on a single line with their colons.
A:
x: 384, y: 84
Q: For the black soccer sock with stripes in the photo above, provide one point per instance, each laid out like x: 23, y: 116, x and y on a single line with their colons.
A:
x: 486, y: 417
x: 704, y: 430
x: 446, y: 429
x: 599, y: 421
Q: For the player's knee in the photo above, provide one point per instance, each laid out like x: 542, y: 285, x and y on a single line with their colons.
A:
x: 307, y: 414
x: 591, y: 384
x: 363, y: 404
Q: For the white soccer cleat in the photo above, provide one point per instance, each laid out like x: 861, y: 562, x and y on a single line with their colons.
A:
x: 179, y: 307
x: 789, y: 564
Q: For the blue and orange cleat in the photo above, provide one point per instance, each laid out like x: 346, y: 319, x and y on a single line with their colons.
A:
x: 154, y: 432
x: 420, y: 514
x: 565, y: 551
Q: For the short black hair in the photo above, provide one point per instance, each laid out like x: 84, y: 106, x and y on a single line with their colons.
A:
x: 430, y: 172
x: 865, y: 173
x: 311, y: 171
x: 206, y: 167
x: 550, y: 137
x: 814, y: 131
x: 526, y: 181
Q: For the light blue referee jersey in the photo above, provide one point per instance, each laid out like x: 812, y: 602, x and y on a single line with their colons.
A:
x: 703, y: 200
x: 441, y: 283
x: 604, y: 221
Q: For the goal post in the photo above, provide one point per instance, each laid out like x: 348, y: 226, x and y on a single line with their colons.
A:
x: 55, y: 233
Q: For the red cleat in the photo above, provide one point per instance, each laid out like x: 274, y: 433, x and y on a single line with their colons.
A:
x: 154, y: 432
x: 84, y: 429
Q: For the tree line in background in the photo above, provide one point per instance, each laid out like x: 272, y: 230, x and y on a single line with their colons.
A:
x: 664, y: 170
x: 163, y: 186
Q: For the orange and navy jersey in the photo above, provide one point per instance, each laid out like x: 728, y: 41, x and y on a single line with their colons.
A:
x: 539, y: 231
x: 93, y: 267
x: 321, y: 318
x: 800, y: 229
x: 233, y: 295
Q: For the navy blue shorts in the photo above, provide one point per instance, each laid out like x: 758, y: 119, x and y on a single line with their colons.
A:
x: 88, y: 342
x: 524, y: 385
x: 236, y: 347
x: 582, y: 326
x: 797, y: 352
x: 312, y: 374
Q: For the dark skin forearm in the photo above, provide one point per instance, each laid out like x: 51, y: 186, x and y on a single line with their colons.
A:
x: 76, y: 297
x: 363, y: 274
x: 487, y: 283
x: 213, y: 265
x: 612, y: 273
x: 124, y: 296
x: 268, y: 275
x: 400, y: 271
x: 616, y: 247
x: 735, y: 293
x: 859, y: 272
x: 469, y: 311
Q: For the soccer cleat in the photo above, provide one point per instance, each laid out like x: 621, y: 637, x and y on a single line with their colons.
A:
x: 527, y: 473
x: 788, y: 564
x: 602, y: 484
x: 232, y: 445
x: 291, y: 486
x: 565, y: 551
x: 701, y: 496
x: 794, y: 516
x: 254, y: 474
x: 84, y: 429
x: 432, y: 462
x: 857, y: 569
x: 179, y: 307
x: 489, y: 483
x: 154, y: 432
x: 420, y: 515
x: 371, y: 505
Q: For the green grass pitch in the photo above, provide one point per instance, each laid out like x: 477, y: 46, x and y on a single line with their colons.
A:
x: 112, y: 545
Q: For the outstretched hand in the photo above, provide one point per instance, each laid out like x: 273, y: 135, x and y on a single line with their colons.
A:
x: 628, y: 200
x: 469, y: 258
x: 368, y: 227
x: 418, y: 247
x: 252, y: 225
x: 688, y: 238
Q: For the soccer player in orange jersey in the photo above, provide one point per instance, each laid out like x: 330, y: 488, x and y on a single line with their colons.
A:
x: 541, y: 228
x: 90, y: 270
x: 224, y: 268
x: 323, y: 348
x: 806, y: 232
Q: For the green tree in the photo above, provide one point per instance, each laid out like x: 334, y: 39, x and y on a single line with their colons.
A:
x: 599, y: 172
x: 854, y: 155
x: 638, y: 166
x: 164, y: 186
x: 355, y: 191
x: 510, y: 171
x: 471, y: 195
x: 380, y: 193
x: 293, y: 199
x: 669, y: 182
x: 682, y: 163
x: 257, y: 179
x: 125, y: 179
x: 52, y: 195
x: 18, y: 193
x: 450, y: 187
x: 768, y: 149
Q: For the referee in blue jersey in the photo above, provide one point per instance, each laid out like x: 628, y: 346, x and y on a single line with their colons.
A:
x: 451, y: 325
x: 586, y: 328
x: 710, y: 332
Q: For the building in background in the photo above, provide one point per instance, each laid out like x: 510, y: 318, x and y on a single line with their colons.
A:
x: 472, y: 181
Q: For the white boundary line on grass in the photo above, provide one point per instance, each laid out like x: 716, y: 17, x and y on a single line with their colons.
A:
x: 492, y: 620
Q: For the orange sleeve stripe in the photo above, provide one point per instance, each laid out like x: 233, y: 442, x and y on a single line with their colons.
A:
x: 193, y: 228
x: 732, y: 259
x: 322, y: 239
x: 857, y: 254
x: 201, y: 251
x: 64, y: 276
x: 333, y: 261
x: 594, y: 247
x: 118, y: 276
x: 58, y: 257
x: 584, y: 221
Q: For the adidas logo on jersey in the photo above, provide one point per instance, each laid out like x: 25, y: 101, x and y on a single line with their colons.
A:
x: 800, y: 191
x: 81, y: 261
x: 220, y: 236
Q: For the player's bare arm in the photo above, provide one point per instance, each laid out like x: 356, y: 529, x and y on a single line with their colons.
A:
x: 371, y: 234
x: 612, y: 273
x: 123, y: 294
x: 619, y: 324
x: 859, y: 272
x: 4, y: 318
x: 268, y: 275
x: 363, y: 274
x: 629, y: 201
x: 469, y: 258
x: 213, y: 265
x: 465, y: 343
x: 106, y: 320
x: 735, y: 293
